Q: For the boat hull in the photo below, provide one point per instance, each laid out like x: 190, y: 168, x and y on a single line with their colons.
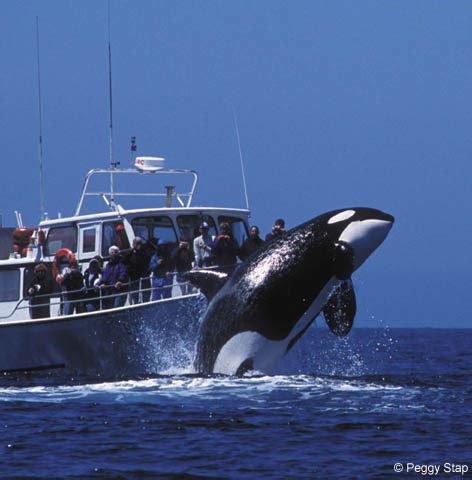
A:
x: 140, y: 339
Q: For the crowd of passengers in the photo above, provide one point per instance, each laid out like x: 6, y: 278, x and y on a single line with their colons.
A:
x: 142, y: 273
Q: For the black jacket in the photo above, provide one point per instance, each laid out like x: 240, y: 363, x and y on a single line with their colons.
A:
x: 252, y: 244
x: 137, y: 262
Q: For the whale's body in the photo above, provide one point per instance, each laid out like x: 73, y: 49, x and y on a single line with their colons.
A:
x: 265, y: 306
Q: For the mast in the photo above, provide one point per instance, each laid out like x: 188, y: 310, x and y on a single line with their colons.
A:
x: 110, y: 101
x: 40, y: 146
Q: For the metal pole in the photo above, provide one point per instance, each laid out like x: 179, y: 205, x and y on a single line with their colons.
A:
x: 241, y: 160
x: 110, y: 99
x: 41, y: 173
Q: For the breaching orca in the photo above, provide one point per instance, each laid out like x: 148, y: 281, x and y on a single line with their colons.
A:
x: 255, y: 316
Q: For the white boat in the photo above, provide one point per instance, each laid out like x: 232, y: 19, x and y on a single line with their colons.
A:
x: 119, y: 341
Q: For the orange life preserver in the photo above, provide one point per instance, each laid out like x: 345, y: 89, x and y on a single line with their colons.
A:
x: 59, y: 257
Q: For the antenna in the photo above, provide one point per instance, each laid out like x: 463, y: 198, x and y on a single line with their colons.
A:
x: 112, y: 163
x: 133, y: 150
x: 41, y: 172
x: 241, y: 160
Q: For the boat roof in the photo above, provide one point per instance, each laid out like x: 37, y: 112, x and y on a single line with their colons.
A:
x: 145, y: 211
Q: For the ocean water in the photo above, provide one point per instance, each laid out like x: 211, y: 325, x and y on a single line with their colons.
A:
x: 337, y: 408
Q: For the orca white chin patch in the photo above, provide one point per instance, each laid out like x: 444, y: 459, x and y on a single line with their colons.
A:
x: 263, y: 352
x: 341, y: 216
x: 365, y: 236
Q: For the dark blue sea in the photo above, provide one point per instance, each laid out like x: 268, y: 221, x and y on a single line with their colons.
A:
x: 338, y: 408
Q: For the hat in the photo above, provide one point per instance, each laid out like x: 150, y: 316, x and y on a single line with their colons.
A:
x: 204, y: 225
x: 113, y: 248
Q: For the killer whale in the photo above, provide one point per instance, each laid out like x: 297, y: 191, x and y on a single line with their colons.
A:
x: 256, y: 315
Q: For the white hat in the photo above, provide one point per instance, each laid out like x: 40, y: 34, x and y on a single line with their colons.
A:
x: 112, y: 249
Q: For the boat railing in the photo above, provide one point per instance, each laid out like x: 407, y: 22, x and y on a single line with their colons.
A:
x: 103, y: 296
x: 184, y: 198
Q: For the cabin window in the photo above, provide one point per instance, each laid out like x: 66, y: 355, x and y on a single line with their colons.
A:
x: 189, y: 225
x: 154, y: 229
x: 61, y: 237
x: 9, y: 285
x: 88, y: 240
x: 238, y: 228
x: 114, y: 233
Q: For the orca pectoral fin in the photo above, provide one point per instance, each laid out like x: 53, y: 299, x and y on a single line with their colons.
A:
x: 208, y: 281
x: 340, y: 310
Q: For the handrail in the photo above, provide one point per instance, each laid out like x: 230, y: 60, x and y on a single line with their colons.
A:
x: 112, y: 171
x: 100, y: 297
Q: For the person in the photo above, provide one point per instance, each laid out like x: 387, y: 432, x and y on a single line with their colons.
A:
x: 278, y: 230
x: 72, y: 282
x: 203, y: 247
x: 114, y: 280
x: 183, y: 258
x: 137, y: 261
x: 161, y: 267
x: 252, y: 243
x: 40, y: 290
x: 225, y: 249
x: 92, y: 277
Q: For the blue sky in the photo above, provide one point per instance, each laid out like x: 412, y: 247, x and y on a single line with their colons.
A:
x: 339, y: 104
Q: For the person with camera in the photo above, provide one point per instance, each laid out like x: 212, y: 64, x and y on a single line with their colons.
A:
x: 226, y: 250
x: 72, y: 283
x: 203, y: 247
x: 40, y: 290
x: 278, y: 230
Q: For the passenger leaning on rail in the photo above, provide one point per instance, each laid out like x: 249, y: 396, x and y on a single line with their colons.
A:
x: 40, y: 290
x: 161, y: 268
x: 72, y: 282
x: 92, y: 277
x: 183, y: 258
x: 137, y: 260
x: 114, y: 280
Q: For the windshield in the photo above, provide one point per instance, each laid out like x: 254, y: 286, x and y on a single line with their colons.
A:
x: 189, y: 225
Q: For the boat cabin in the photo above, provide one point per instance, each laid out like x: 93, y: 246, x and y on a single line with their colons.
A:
x: 90, y: 234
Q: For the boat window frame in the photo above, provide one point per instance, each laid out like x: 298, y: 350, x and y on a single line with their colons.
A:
x: 82, y: 228
x: 149, y: 226
x: 72, y: 248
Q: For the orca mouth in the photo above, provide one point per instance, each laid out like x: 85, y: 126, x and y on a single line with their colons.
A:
x: 364, y: 236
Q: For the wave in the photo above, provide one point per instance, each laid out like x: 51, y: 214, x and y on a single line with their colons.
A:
x: 254, y: 387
